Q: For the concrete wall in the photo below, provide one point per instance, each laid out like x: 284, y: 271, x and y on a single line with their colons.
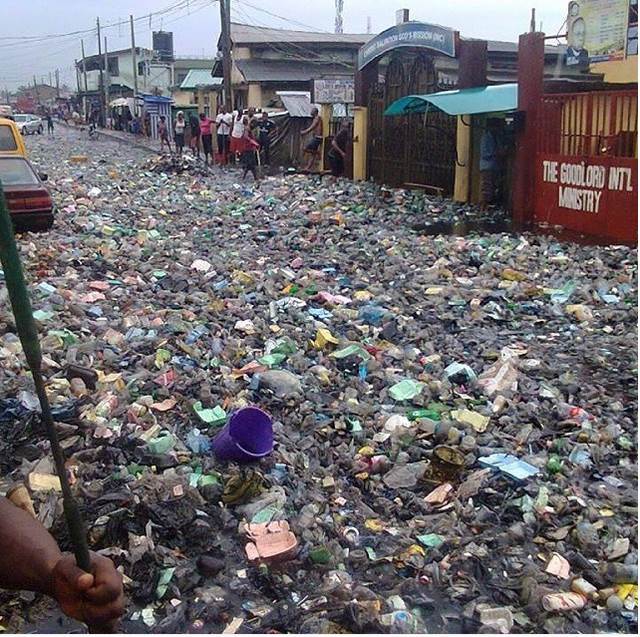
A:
x: 207, y: 101
x: 254, y: 97
x: 183, y: 98
x: 619, y: 72
x: 158, y: 74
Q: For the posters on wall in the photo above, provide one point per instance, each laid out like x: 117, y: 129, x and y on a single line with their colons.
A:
x: 336, y: 90
x: 596, y: 31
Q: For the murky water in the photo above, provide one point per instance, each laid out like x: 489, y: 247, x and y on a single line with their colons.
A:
x: 490, y: 226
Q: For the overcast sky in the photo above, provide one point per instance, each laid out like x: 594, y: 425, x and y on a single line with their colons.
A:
x: 196, y: 25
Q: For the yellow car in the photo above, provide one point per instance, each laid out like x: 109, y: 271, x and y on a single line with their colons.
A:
x: 11, y: 142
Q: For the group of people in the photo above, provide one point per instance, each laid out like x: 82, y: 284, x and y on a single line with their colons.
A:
x: 241, y: 136
x: 245, y: 137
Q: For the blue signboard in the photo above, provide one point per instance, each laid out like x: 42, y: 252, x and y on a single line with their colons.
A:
x: 410, y: 34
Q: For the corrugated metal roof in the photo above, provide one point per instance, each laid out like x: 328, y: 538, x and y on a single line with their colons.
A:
x: 200, y: 77
x: 297, y: 103
x: 289, y: 70
x: 249, y: 34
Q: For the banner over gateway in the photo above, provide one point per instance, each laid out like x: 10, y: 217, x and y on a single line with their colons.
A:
x: 409, y: 34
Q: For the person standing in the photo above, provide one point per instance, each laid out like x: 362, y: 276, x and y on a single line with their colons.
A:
x: 49, y: 124
x: 237, y: 132
x: 249, y: 148
x: 313, y: 147
x: 265, y: 126
x: 179, y: 126
x: 490, y: 152
x: 194, y: 143
x: 338, y: 152
x: 224, y: 121
x: 207, y: 137
x: 163, y: 133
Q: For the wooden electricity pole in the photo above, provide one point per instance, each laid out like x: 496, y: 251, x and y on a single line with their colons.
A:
x: 106, y: 82
x: 135, y: 65
x: 103, y: 108
x: 225, y: 32
x: 85, y: 97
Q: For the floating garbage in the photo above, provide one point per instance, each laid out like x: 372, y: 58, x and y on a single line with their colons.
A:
x: 308, y: 407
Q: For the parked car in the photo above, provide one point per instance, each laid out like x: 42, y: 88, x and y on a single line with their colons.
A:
x: 28, y: 124
x: 11, y: 142
x: 29, y: 202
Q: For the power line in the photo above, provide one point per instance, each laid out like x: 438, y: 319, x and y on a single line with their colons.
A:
x: 178, y: 5
x: 30, y: 41
x: 28, y: 47
x: 308, y: 54
x: 288, y: 20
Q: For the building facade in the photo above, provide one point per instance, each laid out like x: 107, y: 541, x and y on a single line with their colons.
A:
x: 266, y: 60
x: 153, y: 76
x: 200, y: 90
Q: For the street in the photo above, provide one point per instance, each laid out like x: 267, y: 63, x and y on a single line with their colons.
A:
x: 370, y: 345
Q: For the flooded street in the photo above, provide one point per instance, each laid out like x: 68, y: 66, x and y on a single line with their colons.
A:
x: 375, y: 336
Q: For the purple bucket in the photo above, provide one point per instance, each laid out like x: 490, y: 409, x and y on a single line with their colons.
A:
x: 247, y: 436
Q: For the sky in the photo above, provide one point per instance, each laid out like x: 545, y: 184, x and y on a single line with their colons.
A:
x: 28, y: 29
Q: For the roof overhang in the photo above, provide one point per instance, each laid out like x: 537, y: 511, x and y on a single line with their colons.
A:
x: 468, y: 101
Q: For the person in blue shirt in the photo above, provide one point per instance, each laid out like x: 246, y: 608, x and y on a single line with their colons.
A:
x: 490, y: 154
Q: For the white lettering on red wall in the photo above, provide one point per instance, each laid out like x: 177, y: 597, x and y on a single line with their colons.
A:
x: 580, y: 186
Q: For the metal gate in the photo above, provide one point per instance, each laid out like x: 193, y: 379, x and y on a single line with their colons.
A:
x: 415, y: 149
x: 586, y: 175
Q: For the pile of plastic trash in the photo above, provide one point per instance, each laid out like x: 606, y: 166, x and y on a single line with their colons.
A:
x: 446, y: 434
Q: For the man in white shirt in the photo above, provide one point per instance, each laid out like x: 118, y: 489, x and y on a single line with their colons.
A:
x: 224, y: 122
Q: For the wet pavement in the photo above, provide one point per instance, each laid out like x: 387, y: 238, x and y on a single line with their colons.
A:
x: 454, y: 417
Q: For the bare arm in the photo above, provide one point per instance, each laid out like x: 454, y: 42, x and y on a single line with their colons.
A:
x: 335, y: 146
x: 31, y: 560
x: 29, y: 553
x: 314, y: 124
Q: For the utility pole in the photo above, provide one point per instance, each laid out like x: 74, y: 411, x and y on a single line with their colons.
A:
x: 84, y: 74
x: 135, y: 66
x: 58, y: 82
x: 75, y: 63
x: 225, y: 32
x: 106, y: 82
x: 35, y: 89
x: 102, y: 108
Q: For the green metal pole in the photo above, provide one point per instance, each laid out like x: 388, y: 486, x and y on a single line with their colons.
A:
x: 26, y: 328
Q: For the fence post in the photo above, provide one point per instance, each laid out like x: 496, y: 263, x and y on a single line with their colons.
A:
x: 364, y: 79
x: 530, y: 90
x: 472, y: 62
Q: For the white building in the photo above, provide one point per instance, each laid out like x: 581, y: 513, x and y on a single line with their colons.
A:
x: 154, y: 76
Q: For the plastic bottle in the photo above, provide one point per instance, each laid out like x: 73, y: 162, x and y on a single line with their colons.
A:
x: 402, y: 622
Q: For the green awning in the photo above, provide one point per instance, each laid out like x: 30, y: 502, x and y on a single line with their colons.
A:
x: 466, y: 101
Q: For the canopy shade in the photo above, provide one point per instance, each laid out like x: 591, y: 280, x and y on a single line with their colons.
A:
x: 466, y: 101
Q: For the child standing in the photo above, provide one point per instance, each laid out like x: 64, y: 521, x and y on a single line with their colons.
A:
x: 163, y: 132
x: 207, y: 137
x: 249, y: 148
